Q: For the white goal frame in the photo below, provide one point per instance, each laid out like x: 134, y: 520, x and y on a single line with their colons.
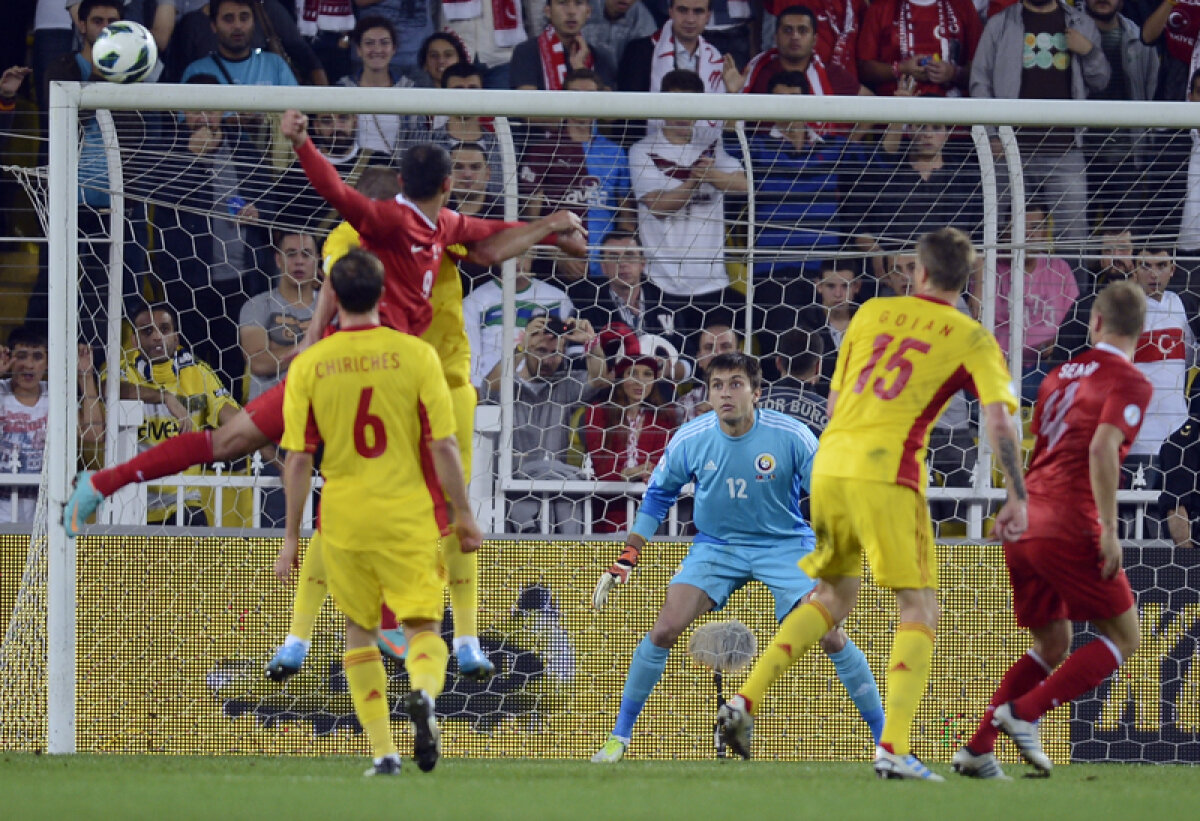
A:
x: 66, y: 100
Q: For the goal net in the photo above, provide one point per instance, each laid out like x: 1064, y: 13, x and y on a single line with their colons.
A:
x: 188, y: 239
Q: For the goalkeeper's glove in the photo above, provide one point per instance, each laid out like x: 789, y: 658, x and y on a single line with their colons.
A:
x: 617, y: 574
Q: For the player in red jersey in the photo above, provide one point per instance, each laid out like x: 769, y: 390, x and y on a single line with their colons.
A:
x: 1067, y: 565
x: 410, y: 243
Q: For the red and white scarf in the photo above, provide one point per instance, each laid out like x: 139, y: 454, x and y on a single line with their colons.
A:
x: 508, y: 23
x: 313, y: 16
x: 766, y: 65
x: 710, y: 64
x: 554, y: 59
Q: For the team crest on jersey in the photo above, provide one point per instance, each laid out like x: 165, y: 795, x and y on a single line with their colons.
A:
x: 764, y: 467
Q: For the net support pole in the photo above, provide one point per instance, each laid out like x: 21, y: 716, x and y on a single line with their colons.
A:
x: 508, y: 287
x: 61, y: 428
x: 116, y: 283
x: 987, y: 299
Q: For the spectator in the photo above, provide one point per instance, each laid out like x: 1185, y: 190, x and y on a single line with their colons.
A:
x: 837, y: 292
x: 438, y: 52
x: 544, y: 62
x: 10, y: 84
x: 483, y: 318
x: 1071, y: 67
x: 384, y: 134
x: 270, y: 329
x: 680, y: 175
x: 489, y: 31
x: 802, y: 181
x: 1115, y: 160
x: 626, y: 435
x: 1165, y: 352
x: 471, y: 177
x: 1173, y: 27
x: 730, y: 30
x: 715, y: 337
x: 455, y: 130
x: 53, y: 36
x: 205, y: 186
x: 94, y: 198
x: 1115, y: 263
x: 236, y: 61
x: 798, y: 356
x: 625, y: 296
x: 325, y: 24
x: 413, y: 22
x: 919, y: 180
x: 25, y: 410
x: 546, y: 391
x: 797, y: 43
x: 1050, y: 291
x: 179, y: 395
x: 614, y: 23
x: 1179, y: 462
x: 270, y: 26
x: 838, y: 25
x: 577, y: 168
x: 932, y: 41
x: 678, y: 45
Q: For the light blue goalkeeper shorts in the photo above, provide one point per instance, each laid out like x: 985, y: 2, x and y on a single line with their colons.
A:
x: 720, y: 570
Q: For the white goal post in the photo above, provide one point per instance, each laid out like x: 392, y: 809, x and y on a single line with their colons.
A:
x: 68, y: 99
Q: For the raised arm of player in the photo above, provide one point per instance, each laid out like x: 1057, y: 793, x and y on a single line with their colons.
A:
x: 1012, y: 519
x: 1104, y: 470
x: 448, y: 465
x: 353, y: 206
x: 515, y: 239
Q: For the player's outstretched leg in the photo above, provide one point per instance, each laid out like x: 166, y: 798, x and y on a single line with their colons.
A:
x: 463, y: 571
x: 856, y: 676
x: 1025, y: 735
x: 983, y: 765
x: 736, y: 725
x: 367, y: 681
x: 311, y: 590
x: 646, y: 668
x: 906, y: 766
x: 976, y: 759
x: 426, y: 662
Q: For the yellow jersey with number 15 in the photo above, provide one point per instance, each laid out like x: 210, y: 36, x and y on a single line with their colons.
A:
x: 901, y: 360
x: 372, y: 395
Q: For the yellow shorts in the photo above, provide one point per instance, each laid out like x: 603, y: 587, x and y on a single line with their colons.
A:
x: 889, y: 522
x: 409, y: 580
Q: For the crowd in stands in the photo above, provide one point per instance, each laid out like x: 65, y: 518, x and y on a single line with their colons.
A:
x: 223, y: 232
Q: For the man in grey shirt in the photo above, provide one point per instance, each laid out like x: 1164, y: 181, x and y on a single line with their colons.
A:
x: 614, y: 23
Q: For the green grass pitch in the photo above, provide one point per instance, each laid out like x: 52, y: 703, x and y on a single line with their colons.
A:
x: 170, y: 788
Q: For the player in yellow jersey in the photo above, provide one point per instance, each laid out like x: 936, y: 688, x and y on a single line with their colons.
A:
x: 901, y: 360
x: 374, y: 396
x: 448, y: 336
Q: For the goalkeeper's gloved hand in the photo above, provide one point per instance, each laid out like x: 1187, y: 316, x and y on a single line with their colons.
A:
x: 617, y: 574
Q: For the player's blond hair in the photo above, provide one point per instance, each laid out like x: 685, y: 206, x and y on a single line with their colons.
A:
x: 947, y: 256
x: 1122, y: 307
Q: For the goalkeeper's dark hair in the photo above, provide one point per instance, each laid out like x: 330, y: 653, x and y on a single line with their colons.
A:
x: 736, y: 362
x: 378, y: 182
x: 798, y: 10
x: 357, y: 280
x: 947, y: 256
x: 1122, y: 308
x: 801, y: 351
x: 28, y: 336
x: 792, y: 79
x: 424, y: 170
x: 85, y: 8
x: 214, y: 7
x: 682, y: 80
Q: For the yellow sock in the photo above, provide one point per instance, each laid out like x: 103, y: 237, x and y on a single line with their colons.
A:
x: 463, y: 572
x: 368, y: 690
x: 802, y: 628
x: 310, y: 591
x: 426, y: 662
x: 907, y: 678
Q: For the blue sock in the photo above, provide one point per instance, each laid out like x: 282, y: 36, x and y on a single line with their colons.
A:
x: 649, y: 661
x: 855, y: 674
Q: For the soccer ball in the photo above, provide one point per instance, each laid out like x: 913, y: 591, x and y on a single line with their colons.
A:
x: 125, y: 52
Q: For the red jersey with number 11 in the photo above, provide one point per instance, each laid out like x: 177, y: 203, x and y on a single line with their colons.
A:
x: 1100, y: 386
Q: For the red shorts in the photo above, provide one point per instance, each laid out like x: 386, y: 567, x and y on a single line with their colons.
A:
x: 1055, y: 579
x: 266, y: 412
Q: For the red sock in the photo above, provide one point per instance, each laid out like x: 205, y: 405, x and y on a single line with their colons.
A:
x: 1083, y: 670
x: 387, y: 619
x: 1026, y: 673
x: 167, y: 458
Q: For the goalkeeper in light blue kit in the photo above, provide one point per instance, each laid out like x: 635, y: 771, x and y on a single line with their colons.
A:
x: 750, y: 467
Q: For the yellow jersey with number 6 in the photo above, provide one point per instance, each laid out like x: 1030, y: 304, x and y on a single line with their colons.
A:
x: 372, y: 395
x: 901, y: 360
